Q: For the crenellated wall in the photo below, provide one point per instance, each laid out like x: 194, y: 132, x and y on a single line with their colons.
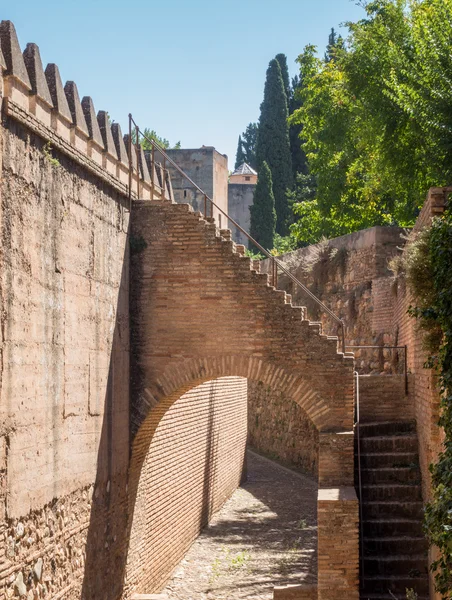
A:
x: 64, y: 349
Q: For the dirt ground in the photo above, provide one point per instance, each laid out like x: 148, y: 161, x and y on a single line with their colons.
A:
x: 264, y: 535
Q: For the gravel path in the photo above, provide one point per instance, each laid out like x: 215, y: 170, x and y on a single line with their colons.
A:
x: 264, y: 535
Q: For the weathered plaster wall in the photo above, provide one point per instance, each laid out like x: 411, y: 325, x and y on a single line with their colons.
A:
x: 240, y: 199
x: 65, y: 355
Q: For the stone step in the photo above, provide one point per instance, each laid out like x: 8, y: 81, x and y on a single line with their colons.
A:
x: 382, y: 510
x: 389, y: 475
x: 387, y: 428
x: 392, y: 493
x: 396, y: 584
x: 391, y: 460
x: 389, y: 444
x: 375, y: 528
x: 393, y: 596
x: 403, y: 565
x: 394, y: 546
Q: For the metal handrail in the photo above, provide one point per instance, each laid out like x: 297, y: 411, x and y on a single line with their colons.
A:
x: 360, y: 487
x: 405, y: 358
x: 276, y: 263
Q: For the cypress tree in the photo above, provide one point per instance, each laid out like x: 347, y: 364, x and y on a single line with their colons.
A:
x: 273, y: 145
x: 249, y: 140
x: 282, y: 61
x: 299, y: 160
x: 263, y: 214
x: 240, y: 156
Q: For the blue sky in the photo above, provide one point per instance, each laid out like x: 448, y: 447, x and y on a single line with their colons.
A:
x: 193, y: 70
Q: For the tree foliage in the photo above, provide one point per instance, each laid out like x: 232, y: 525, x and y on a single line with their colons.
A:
x: 376, y: 117
x: 151, y: 134
x: 263, y: 214
x: 273, y: 142
x: 240, y: 155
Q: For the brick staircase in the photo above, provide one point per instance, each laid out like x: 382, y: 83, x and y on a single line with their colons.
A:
x: 394, y: 552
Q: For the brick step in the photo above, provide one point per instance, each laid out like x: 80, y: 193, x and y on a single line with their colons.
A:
x: 374, y: 528
x: 392, y: 493
x: 389, y: 460
x: 396, y: 596
x: 387, y: 428
x: 396, y: 584
x: 388, y: 546
x: 404, y: 565
x: 389, y: 444
x: 382, y: 510
x: 408, y: 475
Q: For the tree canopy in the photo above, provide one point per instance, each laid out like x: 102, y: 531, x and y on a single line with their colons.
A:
x: 273, y: 145
x: 262, y: 211
x: 376, y: 118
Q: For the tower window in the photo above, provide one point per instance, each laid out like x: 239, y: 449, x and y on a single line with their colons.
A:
x: 185, y: 193
x: 247, y: 178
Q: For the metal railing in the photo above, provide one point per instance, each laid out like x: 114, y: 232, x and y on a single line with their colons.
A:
x: 276, y: 264
x: 405, y: 358
x: 360, y: 487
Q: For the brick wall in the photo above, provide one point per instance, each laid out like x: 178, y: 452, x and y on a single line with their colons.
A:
x: 426, y: 396
x: 280, y: 429
x: 193, y: 463
x: 382, y: 398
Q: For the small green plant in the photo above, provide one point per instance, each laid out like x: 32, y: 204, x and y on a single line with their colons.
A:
x: 47, y: 151
x: 302, y: 524
x: 411, y: 594
x: 253, y: 255
x: 137, y: 244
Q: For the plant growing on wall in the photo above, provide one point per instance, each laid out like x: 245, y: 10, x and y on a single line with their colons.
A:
x: 429, y: 277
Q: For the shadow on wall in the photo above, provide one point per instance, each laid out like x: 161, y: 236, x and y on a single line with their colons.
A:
x: 106, y: 543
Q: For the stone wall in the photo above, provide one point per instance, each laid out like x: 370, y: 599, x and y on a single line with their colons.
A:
x: 193, y: 463
x: 280, y: 429
x: 209, y: 170
x: 65, y: 356
x: 240, y: 199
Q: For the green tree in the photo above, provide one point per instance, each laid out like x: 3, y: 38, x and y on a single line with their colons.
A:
x: 282, y: 61
x: 262, y: 211
x: 240, y: 155
x: 249, y: 140
x: 368, y: 114
x: 273, y: 145
x: 299, y: 160
x: 151, y: 134
x: 335, y: 43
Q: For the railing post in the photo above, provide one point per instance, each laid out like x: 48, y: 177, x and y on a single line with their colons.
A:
x: 152, y: 171
x: 130, y: 162
x: 137, y: 150
x: 205, y: 206
x: 343, y: 335
x: 405, y: 360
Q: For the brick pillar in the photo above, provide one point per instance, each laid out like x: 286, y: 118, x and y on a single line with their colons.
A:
x: 338, y: 519
x: 336, y: 459
x: 338, y: 544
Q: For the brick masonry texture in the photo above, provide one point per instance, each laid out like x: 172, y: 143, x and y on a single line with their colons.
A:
x: 193, y: 464
x: 281, y: 429
x: 384, y: 399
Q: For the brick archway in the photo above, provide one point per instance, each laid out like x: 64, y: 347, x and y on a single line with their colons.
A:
x: 200, y: 311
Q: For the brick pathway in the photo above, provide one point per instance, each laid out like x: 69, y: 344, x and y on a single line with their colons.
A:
x: 264, y: 535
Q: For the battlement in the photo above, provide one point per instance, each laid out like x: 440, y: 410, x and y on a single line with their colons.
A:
x: 37, y: 99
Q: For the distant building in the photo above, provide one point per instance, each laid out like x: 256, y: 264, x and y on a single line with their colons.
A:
x: 242, y: 184
x: 209, y: 170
